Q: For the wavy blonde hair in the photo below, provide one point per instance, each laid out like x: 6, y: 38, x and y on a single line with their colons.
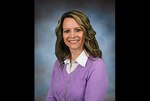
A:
x: 90, y: 45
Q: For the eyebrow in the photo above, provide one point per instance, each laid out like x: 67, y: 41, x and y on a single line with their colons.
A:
x: 73, y: 28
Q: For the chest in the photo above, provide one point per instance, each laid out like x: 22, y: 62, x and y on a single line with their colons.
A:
x: 71, y: 86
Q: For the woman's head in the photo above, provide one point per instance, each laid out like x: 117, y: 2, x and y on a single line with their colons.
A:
x: 74, y: 31
x: 73, y: 34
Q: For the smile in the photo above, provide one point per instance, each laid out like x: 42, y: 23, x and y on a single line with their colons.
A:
x: 73, y: 41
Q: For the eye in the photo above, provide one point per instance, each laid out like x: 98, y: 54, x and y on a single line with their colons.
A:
x: 78, y: 30
x: 66, y: 31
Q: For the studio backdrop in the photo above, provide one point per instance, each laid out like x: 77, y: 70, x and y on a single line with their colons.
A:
x: 46, y: 15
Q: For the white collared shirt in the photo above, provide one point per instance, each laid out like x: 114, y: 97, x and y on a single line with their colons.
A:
x: 81, y: 59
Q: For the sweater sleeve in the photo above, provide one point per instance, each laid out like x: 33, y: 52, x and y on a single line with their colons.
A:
x: 97, y: 82
x: 50, y: 95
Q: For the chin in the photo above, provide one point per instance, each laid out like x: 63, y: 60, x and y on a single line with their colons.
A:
x: 74, y: 48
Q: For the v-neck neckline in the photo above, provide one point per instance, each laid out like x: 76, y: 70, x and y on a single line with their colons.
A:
x: 71, y: 73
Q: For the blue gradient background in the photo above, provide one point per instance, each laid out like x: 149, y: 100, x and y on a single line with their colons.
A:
x: 47, y: 13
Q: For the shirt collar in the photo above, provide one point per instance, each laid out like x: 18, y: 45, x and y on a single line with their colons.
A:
x: 81, y: 59
x: 67, y: 61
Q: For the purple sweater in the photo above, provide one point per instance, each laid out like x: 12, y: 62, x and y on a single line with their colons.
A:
x: 87, y: 83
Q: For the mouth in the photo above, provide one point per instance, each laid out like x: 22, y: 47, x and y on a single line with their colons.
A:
x: 73, y: 41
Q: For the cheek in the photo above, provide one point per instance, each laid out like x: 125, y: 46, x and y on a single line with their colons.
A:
x: 83, y: 40
x: 65, y: 38
x: 82, y: 37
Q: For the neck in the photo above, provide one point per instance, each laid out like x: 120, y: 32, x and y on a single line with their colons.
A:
x: 75, y: 54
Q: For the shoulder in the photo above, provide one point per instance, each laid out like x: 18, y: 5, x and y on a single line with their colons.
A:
x: 95, y: 64
x: 98, y: 62
x: 57, y: 64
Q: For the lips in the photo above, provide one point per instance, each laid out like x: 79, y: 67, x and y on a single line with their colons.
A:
x: 73, y: 41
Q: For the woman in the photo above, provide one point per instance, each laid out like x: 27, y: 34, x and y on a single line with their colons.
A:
x: 79, y: 73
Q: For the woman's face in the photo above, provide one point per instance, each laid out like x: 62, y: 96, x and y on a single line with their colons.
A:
x: 73, y: 34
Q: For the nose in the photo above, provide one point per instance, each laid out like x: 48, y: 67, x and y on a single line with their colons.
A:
x: 72, y: 34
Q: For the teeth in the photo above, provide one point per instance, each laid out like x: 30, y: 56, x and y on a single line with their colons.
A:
x: 73, y: 41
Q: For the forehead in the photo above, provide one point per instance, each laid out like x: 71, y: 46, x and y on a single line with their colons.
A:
x: 70, y: 23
